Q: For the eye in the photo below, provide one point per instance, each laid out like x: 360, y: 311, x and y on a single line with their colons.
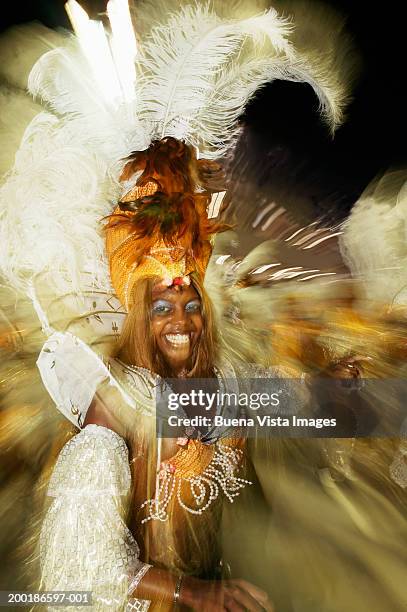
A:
x: 161, y: 308
x: 194, y: 306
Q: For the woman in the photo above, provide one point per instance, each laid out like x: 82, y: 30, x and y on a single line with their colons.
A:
x: 196, y: 70
x: 171, y: 555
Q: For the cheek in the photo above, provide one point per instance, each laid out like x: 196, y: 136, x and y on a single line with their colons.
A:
x: 198, y: 323
x: 156, y: 328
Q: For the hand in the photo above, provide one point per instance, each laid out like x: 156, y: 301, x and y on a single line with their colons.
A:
x: 224, y: 596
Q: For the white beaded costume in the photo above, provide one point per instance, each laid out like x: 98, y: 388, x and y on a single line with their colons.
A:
x: 97, y: 554
x: 92, y: 478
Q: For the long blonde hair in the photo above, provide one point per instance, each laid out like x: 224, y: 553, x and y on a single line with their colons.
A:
x: 188, y: 544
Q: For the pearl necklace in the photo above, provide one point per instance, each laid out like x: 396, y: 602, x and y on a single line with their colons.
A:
x: 218, y: 476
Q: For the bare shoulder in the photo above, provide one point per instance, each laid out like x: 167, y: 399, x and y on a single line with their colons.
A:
x: 108, y: 410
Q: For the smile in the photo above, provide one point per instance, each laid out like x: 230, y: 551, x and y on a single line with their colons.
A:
x: 178, y: 339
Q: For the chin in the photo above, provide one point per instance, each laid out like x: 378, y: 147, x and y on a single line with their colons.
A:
x: 177, y: 357
x: 178, y: 361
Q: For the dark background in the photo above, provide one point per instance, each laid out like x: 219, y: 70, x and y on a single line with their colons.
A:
x: 284, y: 137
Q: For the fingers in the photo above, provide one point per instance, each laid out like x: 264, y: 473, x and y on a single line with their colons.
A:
x: 246, y: 601
x: 251, y: 597
x: 236, y: 596
x: 254, y: 591
x: 231, y: 605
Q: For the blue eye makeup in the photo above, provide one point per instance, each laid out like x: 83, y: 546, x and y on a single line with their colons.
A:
x: 161, y: 307
x: 194, y: 306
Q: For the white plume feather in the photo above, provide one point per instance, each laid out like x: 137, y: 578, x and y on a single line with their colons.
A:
x: 199, y: 72
x: 51, y: 207
x: 182, y: 59
x: 64, y: 180
x: 378, y: 258
x: 196, y: 74
x: 63, y: 79
x: 217, y: 125
x: 147, y: 14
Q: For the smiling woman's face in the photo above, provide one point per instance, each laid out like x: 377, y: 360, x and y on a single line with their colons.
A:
x: 176, y: 321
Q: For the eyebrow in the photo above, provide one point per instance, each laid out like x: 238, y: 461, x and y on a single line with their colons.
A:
x: 162, y: 299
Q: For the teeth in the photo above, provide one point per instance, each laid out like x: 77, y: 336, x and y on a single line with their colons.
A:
x: 178, y: 338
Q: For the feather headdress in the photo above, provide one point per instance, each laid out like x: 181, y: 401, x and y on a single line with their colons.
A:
x: 161, y: 227
x: 194, y: 73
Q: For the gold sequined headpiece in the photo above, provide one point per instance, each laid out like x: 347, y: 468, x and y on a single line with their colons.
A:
x: 160, y: 227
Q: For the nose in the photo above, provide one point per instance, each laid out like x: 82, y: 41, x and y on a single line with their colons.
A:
x: 181, y: 321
